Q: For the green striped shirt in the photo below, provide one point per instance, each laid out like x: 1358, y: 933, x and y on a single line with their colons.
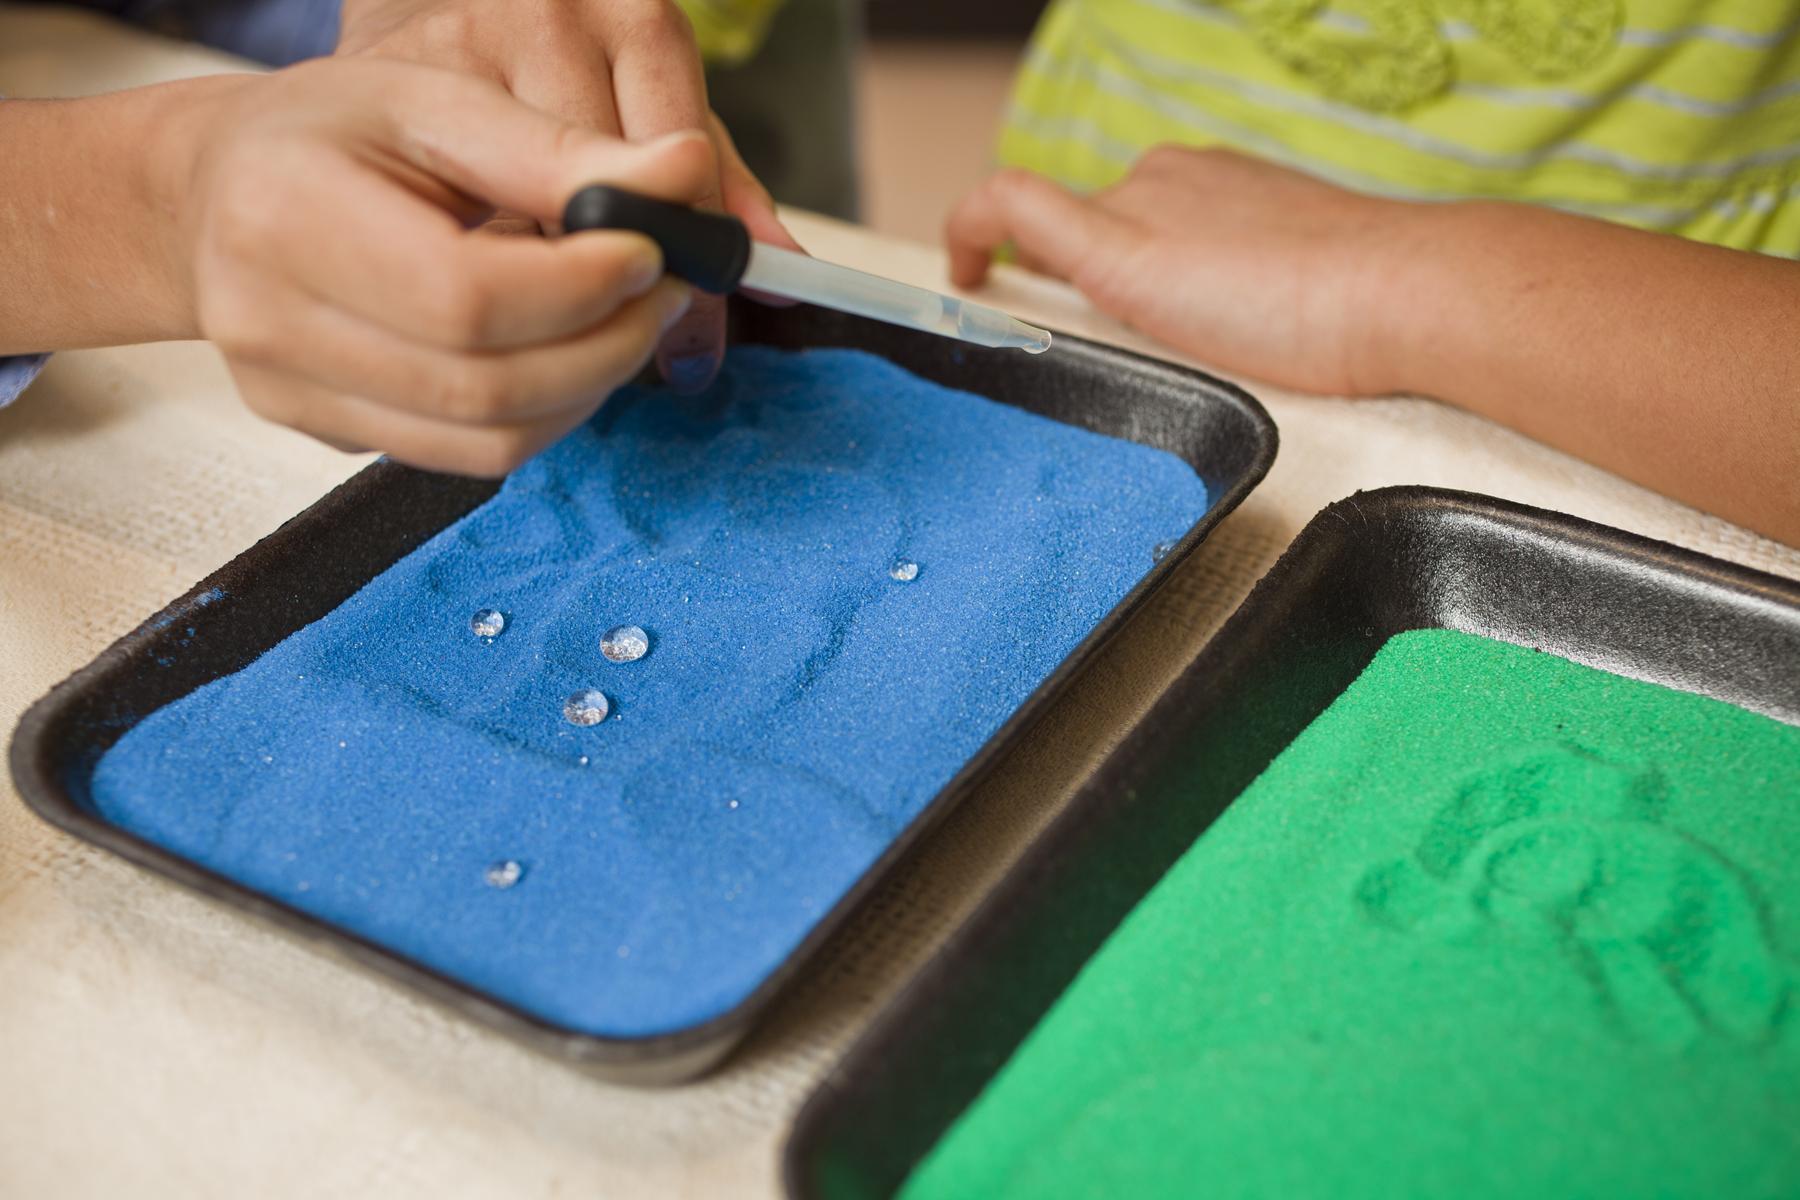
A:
x: 1675, y: 115
x: 729, y: 31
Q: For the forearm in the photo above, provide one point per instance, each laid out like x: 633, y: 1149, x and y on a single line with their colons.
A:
x: 1672, y: 363
x: 90, y: 205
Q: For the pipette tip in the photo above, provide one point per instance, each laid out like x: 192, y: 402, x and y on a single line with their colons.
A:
x: 1028, y: 338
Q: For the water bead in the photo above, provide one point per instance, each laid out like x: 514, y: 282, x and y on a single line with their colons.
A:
x: 487, y: 623
x: 1160, y: 551
x: 904, y: 571
x: 586, y: 708
x: 625, y: 643
x: 502, y: 874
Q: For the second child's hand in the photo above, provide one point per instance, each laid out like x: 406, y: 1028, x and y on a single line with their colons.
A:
x: 1671, y: 362
x: 1241, y: 263
x: 623, y: 67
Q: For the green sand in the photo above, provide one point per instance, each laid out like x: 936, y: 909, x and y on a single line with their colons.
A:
x: 1496, y: 924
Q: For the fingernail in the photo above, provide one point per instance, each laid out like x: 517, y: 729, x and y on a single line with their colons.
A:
x: 677, y: 308
x: 645, y: 269
x: 691, y: 372
x: 679, y: 135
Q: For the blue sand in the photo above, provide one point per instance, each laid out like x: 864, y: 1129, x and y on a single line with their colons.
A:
x: 797, y: 708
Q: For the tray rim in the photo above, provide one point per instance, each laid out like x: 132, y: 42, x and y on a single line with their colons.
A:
x: 887, y: 1031
x: 674, y: 1056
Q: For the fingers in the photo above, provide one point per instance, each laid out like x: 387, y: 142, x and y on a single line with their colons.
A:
x: 478, y: 139
x: 376, y: 250
x: 689, y: 359
x: 343, y: 354
x: 658, y: 88
x: 569, y: 84
x: 1052, y: 228
x: 692, y: 350
x: 689, y: 354
x: 359, y: 240
x: 658, y: 84
x: 344, y: 421
x: 470, y: 416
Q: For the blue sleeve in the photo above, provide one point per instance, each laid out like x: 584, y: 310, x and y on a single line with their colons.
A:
x: 17, y: 373
x: 277, y: 32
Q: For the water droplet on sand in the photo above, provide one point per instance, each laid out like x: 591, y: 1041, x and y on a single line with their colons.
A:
x: 1160, y: 551
x: 586, y: 708
x: 502, y: 874
x: 488, y: 623
x: 625, y: 643
x: 904, y: 571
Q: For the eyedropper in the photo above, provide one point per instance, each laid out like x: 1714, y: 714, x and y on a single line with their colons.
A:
x: 715, y: 253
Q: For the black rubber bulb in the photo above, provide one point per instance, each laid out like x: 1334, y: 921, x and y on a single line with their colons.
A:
x: 709, y: 250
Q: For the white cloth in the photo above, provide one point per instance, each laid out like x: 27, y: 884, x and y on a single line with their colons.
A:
x: 152, y: 1044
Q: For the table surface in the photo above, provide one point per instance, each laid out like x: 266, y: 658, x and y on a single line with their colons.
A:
x: 152, y: 1043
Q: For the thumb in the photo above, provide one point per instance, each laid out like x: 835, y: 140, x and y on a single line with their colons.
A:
x: 1050, y: 225
x: 475, y: 137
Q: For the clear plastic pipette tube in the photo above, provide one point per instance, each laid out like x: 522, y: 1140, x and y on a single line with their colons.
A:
x: 784, y: 273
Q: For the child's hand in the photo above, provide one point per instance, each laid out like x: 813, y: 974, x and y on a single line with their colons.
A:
x: 1242, y: 263
x: 1671, y: 362
x: 624, y: 67
x: 326, y: 233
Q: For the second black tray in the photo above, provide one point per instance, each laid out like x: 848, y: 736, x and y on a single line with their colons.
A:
x: 1364, y: 569
x: 319, y: 559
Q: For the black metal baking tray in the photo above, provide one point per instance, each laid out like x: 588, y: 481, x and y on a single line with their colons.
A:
x: 318, y: 559
x: 1364, y: 569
